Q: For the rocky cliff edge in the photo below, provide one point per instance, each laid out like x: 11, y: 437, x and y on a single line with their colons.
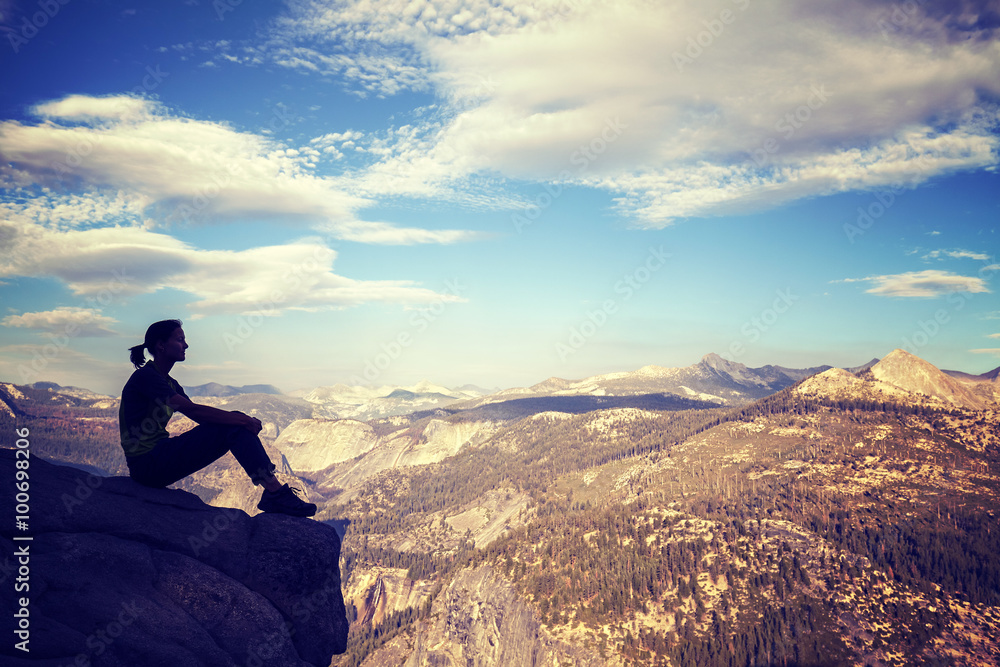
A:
x: 123, y: 575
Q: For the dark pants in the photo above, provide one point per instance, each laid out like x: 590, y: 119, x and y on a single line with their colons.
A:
x: 177, y: 457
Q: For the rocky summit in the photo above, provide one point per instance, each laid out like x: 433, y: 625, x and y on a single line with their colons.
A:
x: 123, y: 575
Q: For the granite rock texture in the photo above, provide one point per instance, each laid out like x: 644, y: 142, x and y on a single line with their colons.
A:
x: 121, y: 574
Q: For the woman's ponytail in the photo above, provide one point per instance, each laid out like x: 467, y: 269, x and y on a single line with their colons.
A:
x: 137, y: 355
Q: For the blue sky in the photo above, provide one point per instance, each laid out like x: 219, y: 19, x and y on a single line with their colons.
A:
x: 495, y: 193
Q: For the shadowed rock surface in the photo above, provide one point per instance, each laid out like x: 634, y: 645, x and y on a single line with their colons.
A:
x: 121, y: 574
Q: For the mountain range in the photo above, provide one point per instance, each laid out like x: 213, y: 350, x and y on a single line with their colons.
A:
x: 713, y: 379
x: 216, y: 389
x: 359, y: 402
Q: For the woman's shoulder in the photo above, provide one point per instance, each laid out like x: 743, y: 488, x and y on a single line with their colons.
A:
x: 144, y: 370
x: 146, y: 375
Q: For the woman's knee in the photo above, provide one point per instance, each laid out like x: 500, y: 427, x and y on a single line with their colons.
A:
x: 228, y: 433
x: 241, y: 434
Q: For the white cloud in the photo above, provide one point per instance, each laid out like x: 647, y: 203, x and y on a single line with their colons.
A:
x: 724, y: 105
x: 921, y: 284
x: 87, y: 108
x: 331, y: 138
x: 84, y: 201
x: 657, y: 198
x: 74, y: 211
x: 957, y: 254
x: 111, y: 265
x: 68, y: 320
x: 995, y: 351
x: 182, y: 170
x: 384, y: 47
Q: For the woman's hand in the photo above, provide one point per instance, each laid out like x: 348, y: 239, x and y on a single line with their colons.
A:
x: 251, y: 424
x: 255, y: 426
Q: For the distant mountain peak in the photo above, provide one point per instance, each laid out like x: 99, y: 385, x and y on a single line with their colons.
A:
x: 52, y: 386
x: 900, y: 365
x: 365, y: 402
x: 428, y: 387
x: 982, y: 377
x: 864, y: 367
x: 713, y: 379
x: 899, y: 355
x: 720, y: 363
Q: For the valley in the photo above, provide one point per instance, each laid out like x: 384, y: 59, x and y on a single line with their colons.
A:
x: 822, y: 517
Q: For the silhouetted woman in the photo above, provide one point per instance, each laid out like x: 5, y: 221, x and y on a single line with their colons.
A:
x: 151, y: 397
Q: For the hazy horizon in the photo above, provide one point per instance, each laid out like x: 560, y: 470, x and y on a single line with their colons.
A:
x: 179, y: 374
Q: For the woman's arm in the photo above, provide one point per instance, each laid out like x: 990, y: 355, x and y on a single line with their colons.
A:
x: 206, y: 414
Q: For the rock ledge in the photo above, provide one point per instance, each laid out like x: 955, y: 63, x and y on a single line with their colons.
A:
x: 124, y: 575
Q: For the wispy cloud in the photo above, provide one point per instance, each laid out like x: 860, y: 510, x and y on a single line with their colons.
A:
x: 957, y: 254
x: 127, y: 261
x: 80, y: 322
x: 178, y: 169
x: 720, y: 116
x: 921, y: 284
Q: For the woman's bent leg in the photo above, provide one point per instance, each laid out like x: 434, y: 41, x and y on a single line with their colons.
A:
x: 175, y: 458
x: 249, y: 451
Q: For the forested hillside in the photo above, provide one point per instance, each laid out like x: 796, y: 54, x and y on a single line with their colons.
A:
x: 795, y: 531
x: 64, y: 427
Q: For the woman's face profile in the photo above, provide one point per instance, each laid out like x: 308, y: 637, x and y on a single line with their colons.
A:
x: 172, y: 349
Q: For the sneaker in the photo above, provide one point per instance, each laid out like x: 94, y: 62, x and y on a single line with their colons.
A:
x: 285, y: 501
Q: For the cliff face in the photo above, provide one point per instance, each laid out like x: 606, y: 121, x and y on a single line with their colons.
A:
x: 121, y: 574
x: 315, y: 444
x: 479, y: 620
x: 378, y: 592
x: 320, y: 447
